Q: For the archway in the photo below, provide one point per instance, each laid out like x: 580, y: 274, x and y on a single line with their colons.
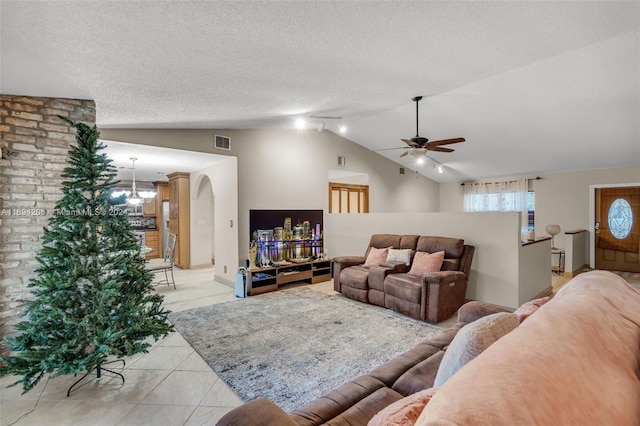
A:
x: 203, y: 215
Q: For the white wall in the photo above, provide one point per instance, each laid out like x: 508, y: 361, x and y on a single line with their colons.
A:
x: 224, y: 186
x: 495, y: 271
x: 201, y: 223
x: 534, y: 273
x: 576, y: 248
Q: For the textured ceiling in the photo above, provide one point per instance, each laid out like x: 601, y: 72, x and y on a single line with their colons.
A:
x: 534, y: 87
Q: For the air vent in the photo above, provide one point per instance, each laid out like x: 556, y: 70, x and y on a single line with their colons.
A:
x: 401, y: 170
x: 222, y: 142
x: 342, y: 161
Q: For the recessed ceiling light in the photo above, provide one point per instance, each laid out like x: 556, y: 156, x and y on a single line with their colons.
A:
x: 301, y: 123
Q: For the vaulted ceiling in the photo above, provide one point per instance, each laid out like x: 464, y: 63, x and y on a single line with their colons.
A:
x: 534, y: 87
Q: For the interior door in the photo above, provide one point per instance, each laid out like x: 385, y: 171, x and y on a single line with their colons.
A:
x: 617, y: 229
x: 348, y: 198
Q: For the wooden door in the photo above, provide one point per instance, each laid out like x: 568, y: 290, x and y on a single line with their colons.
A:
x: 617, y: 235
x: 347, y: 198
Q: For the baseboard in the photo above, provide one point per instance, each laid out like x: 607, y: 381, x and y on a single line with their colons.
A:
x: 576, y: 272
x: 544, y: 293
x: 226, y: 282
x: 203, y: 266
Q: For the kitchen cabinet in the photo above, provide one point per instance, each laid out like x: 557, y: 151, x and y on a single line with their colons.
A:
x: 152, y: 240
x: 179, y: 212
x: 149, y: 209
x: 163, y: 190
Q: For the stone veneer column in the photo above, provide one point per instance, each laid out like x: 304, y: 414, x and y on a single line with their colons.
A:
x: 35, y: 144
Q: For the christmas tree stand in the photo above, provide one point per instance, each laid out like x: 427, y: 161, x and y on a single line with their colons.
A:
x: 99, y: 370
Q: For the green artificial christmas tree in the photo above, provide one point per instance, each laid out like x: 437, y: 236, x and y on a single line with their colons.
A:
x: 91, y: 299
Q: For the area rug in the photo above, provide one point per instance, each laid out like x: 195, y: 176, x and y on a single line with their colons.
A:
x: 292, y: 346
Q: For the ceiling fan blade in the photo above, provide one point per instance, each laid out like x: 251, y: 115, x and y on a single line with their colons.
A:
x: 404, y: 153
x: 410, y: 143
x: 440, y: 149
x: 446, y: 141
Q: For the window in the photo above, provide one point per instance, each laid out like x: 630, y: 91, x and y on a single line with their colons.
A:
x: 531, y: 210
x: 620, y: 218
x: 503, y: 196
x: 348, y: 198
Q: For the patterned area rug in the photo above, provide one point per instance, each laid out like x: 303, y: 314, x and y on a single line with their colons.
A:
x: 292, y: 346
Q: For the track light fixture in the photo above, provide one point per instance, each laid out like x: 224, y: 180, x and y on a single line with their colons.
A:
x: 322, y: 119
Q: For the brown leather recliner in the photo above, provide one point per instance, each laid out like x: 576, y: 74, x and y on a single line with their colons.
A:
x: 437, y: 295
x: 352, y: 278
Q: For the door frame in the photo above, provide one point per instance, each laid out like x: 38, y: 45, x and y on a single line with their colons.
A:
x: 592, y: 216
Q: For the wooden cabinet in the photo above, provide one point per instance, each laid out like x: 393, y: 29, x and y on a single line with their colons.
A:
x: 263, y: 280
x: 179, y: 212
x: 152, y: 240
x: 149, y: 209
x: 163, y: 190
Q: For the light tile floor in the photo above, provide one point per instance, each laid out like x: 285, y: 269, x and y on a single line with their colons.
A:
x: 169, y: 385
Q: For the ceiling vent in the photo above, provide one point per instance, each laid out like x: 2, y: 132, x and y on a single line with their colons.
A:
x: 222, y: 142
x: 342, y: 161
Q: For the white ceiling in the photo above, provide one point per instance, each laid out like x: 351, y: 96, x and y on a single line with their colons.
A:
x: 534, y: 87
x: 154, y: 163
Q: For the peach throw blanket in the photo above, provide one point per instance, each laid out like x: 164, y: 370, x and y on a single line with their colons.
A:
x: 573, y: 362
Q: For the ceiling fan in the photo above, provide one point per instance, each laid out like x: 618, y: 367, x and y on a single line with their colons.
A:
x: 418, y: 146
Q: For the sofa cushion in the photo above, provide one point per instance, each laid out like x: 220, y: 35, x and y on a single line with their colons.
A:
x: 404, y: 286
x: 335, y: 403
x: 453, y: 247
x: 355, y: 276
x: 399, y: 255
x: 376, y: 256
x: 384, y: 240
x: 419, y: 377
x: 425, y: 263
x: 450, y: 265
x: 472, y: 340
x: 404, y: 412
x: 527, y: 309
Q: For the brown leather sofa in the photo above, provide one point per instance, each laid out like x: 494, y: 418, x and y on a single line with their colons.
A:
x: 432, y: 298
x: 351, y: 277
x: 356, y: 402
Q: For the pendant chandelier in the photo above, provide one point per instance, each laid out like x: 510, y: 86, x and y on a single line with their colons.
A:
x: 135, y: 197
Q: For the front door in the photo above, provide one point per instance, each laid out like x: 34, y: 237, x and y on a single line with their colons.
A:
x: 617, y: 229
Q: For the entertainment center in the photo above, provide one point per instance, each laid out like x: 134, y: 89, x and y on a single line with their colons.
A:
x: 263, y: 280
x: 286, y: 246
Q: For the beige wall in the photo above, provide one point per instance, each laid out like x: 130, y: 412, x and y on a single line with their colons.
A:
x: 561, y: 198
x: 289, y: 169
